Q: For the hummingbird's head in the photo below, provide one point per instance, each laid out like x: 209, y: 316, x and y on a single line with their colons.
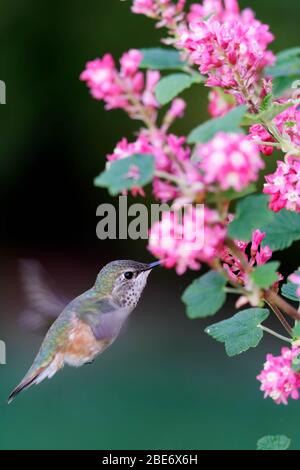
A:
x: 124, y: 280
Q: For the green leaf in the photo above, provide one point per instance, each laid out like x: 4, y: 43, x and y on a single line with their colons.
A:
x: 275, y: 109
x: 296, y: 360
x: 231, y: 122
x: 285, y: 69
x: 287, y: 64
x: 116, y: 177
x: 160, y: 58
x: 171, y: 86
x: 250, y: 119
x: 270, y: 109
x: 296, y: 334
x: 251, y: 214
x: 274, y: 443
x: 205, y: 296
x: 240, y: 332
x: 288, y: 54
x: 289, y: 124
x: 282, y: 230
x: 267, y: 102
x: 266, y: 275
x: 289, y: 291
x: 281, y: 84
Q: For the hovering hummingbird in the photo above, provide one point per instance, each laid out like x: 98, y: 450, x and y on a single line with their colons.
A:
x: 90, y: 323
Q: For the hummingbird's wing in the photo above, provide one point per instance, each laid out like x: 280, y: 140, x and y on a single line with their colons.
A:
x: 104, y: 317
x: 44, y: 304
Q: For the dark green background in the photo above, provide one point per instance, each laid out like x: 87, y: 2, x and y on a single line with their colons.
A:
x: 164, y: 384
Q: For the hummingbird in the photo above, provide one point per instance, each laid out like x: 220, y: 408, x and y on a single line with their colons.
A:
x: 90, y: 323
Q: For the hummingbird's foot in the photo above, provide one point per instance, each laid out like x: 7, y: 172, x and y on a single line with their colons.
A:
x: 88, y: 363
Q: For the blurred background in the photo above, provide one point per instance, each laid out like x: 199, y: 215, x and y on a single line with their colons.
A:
x: 164, y: 384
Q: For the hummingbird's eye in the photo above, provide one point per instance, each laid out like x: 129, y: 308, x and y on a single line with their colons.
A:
x: 128, y: 275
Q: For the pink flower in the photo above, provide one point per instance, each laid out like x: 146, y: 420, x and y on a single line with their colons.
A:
x: 162, y: 146
x: 295, y: 279
x: 278, y: 380
x: 134, y: 173
x: 284, y: 186
x: 219, y: 103
x: 101, y: 77
x: 230, y: 46
x: 167, y: 12
x: 258, y: 132
x: 229, y: 161
x: 177, y: 109
x: 127, y: 88
x: 125, y: 149
x: 152, y: 79
x: 130, y: 62
x: 144, y: 7
x: 257, y: 239
x: 207, y: 8
x: 222, y: 10
x: 254, y: 254
x: 186, y: 243
x: 165, y: 191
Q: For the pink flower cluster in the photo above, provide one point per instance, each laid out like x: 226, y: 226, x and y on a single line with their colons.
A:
x: 229, y: 161
x: 167, y: 12
x: 125, y: 149
x: 144, y: 7
x: 288, y: 124
x: 278, y: 380
x: 126, y: 89
x: 257, y: 256
x: 171, y: 157
x: 186, y: 242
x: 230, y: 46
x: 284, y: 186
x: 295, y: 279
x: 217, y: 8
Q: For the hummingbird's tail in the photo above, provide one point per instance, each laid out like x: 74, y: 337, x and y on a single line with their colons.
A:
x: 22, y: 386
x: 34, y: 377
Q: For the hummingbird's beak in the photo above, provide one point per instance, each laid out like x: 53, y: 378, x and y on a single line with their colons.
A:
x: 153, y: 265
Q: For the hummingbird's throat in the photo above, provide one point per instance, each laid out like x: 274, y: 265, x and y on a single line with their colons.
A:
x: 128, y: 294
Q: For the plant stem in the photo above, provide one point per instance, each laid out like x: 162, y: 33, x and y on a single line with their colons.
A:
x: 143, y: 113
x: 273, y: 333
x: 267, y: 144
x: 275, y: 299
x: 280, y: 317
x: 230, y: 290
x: 243, y: 89
x: 167, y: 176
